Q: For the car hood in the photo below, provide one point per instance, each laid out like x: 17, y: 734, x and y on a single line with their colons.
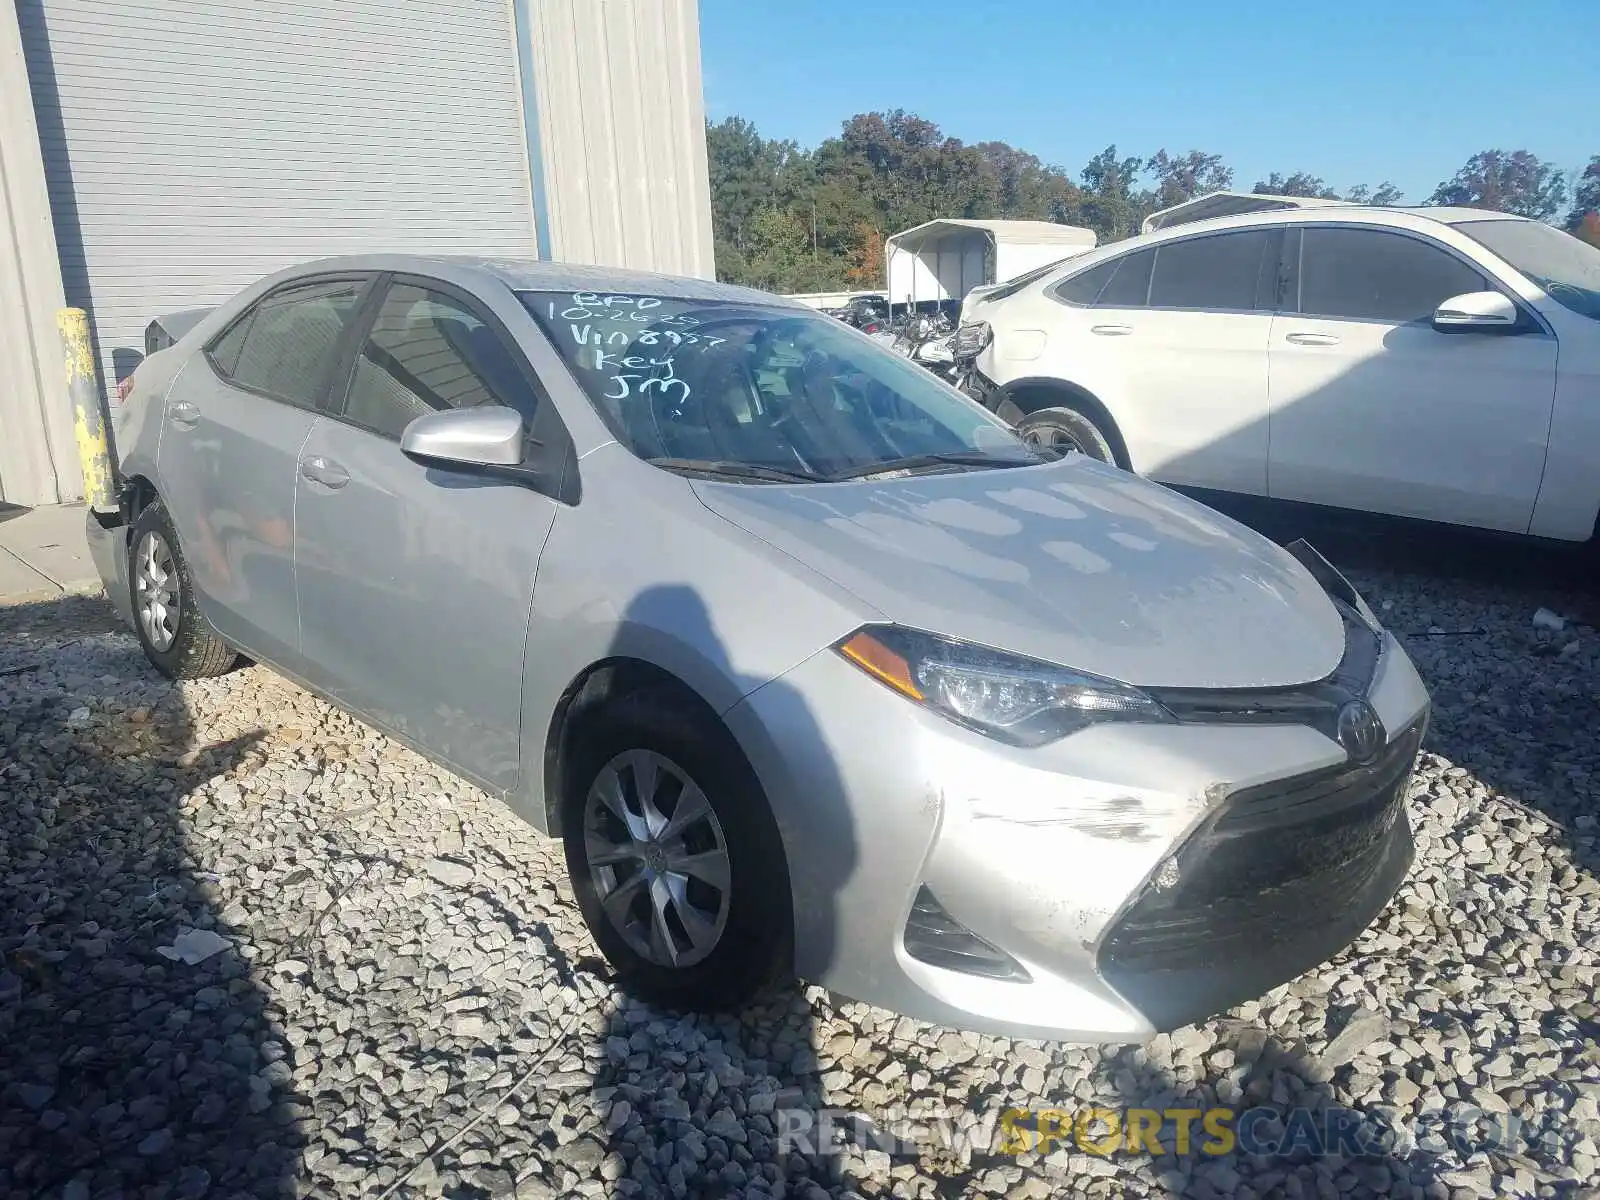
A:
x: 1073, y: 562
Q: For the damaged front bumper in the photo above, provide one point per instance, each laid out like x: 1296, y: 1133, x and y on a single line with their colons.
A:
x: 1127, y: 880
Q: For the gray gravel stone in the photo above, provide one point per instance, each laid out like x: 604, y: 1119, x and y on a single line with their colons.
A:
x: 404, y: 950
x: 451, y: 874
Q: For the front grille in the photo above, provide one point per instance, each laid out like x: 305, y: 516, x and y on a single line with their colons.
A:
x: 1269, y: 868
x: 935, y: 937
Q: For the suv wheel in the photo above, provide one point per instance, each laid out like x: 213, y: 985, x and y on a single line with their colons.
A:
x: 1067, y: 430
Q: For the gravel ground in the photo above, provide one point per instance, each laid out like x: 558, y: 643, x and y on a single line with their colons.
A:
x: 405, y: 1002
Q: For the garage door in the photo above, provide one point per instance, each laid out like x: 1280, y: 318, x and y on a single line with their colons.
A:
x: 192, y: 146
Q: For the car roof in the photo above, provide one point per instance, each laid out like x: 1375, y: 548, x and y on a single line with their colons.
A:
x: 532, y: 274
x: 1337, y: 214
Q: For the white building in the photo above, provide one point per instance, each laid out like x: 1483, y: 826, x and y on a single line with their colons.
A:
x: 158, y: 155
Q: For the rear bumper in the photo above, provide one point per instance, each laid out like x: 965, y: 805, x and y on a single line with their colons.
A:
x: 108, y: 547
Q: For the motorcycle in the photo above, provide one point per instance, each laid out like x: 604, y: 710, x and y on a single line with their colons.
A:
x: 925, y: 340
x: 966, y: 344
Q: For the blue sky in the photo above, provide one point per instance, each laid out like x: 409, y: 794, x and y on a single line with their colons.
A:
x: 1354, y: 92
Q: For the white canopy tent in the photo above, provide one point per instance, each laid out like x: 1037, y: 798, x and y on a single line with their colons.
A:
x: 945, y: 259
x: 1227, y: 204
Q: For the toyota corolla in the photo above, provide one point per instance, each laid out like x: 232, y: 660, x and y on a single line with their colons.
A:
x: 813, y: 665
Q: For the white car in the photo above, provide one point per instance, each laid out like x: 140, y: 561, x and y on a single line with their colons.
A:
x: 1433, y: 363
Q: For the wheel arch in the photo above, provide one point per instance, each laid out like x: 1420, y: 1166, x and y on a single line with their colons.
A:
x: 138, y: 493
x: 605, y: 682
x: 1023, y: 397
x: 601, y: 683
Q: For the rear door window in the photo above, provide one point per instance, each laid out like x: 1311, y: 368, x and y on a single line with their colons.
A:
x: 1221, y: 271
x: 287, y: 346
x: 1375, y: 275
x: 1085, y: 286
x: 1130, y: 286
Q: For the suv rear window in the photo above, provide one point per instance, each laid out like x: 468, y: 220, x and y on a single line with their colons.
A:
x: 1085, y: 286
x: 1130, y: 286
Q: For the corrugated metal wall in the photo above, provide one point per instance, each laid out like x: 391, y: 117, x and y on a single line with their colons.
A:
x: 620, y: 118
x: 192, y: 146
x: 38, y: 459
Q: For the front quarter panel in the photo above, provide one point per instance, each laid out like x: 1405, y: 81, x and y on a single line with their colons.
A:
x: 641, y: 569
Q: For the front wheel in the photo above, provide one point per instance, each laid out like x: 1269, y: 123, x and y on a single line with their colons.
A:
x: 177, y: 640
x: 674, y: 856
x: 1066, y: 430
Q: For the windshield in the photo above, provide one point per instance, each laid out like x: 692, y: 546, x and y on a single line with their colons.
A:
x: 1567, y: 268
x: 762, y: 392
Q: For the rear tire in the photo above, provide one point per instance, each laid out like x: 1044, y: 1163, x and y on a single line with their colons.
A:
x: 652, y: 755
x: 177, y: 640
x: 1069, y: 430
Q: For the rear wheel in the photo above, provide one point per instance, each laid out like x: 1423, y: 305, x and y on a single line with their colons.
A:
x: 674, y: 856
x: 176, y: 638
x: 1066, y: 430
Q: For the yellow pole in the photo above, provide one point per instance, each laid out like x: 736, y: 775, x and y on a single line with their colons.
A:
x: 88, y: 411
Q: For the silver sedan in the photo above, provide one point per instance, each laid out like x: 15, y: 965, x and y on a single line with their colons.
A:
x: 813, y: 665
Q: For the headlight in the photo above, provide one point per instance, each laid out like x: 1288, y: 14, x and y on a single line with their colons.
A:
x: 971, y: 338
x: 1013, y: 699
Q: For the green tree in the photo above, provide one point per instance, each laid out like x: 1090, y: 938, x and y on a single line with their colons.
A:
x: 1027, y: 189
x: 1185, y: 176
x: 777, y: 251
x: 1298, y: 184
x: 1111, y: 206
x: 1585, y: 195
x: 1517, y: 182
x: 790, y: 219
x: 746, y: 172
x: 1385, y: 195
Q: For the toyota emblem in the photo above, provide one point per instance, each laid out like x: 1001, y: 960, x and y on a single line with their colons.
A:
x: 1360, y: 731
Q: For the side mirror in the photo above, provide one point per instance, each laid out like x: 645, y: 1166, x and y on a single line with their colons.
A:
x: 1476, y: 312
x: 490, y: 436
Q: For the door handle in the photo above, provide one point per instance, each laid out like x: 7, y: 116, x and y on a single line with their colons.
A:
x: 183, y: 414
x: 1313, y: 339
x: 1111, y: 330
x: 321, y: 470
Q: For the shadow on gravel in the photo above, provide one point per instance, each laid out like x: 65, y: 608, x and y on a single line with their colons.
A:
x: 1369, y: 541
x: 125, y: 1070
x: 1282, y: 1123
x: 693, y: 1102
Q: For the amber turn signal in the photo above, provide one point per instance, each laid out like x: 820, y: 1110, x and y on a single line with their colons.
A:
x: 877, y: 660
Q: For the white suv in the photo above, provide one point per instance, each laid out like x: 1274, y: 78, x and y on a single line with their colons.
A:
x: 1437, y: 363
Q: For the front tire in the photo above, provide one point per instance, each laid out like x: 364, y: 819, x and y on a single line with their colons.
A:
x: 1068, y: 430
x: 674, y: 856
x: 177, y: 640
